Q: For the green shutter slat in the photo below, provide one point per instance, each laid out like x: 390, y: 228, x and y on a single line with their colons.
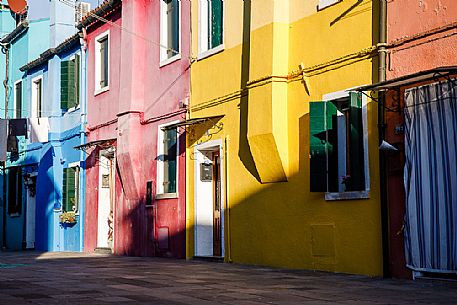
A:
x: 64, y: 91
x: 170, y: 148
x: 64, y: 190
x: 69, y: 189
x: 356, y: 99
x: 332, y: 146
x: 77, y: 75
x: 71, y: 84
x: 356, y: 150
x: 317, y: 147
x: 216, y: 22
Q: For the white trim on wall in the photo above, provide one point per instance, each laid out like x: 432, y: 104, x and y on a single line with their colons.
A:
x: 14, y: 100
x: 34, y: 108
x: 326, y: 3
x: 203, y: 31
x: 98, y: 88
x: 356, y: 194
x: 160, y: 194
x: 164, y: 60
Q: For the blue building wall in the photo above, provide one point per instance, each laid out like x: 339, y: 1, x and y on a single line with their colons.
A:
x: 66, y: 130
x: 29, y: 44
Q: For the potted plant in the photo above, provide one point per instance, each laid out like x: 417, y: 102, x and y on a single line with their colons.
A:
x: 67, y: 218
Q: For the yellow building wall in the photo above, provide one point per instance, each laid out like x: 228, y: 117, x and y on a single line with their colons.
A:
x: 283, y: 224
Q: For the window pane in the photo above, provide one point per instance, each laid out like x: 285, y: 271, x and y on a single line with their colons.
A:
x: 39, y: 98
x: 15, y: 190
x: 357, y: 171
x: 18, y: 100
x: 104, y: 64
x: 216, y: 23
x: 170, y: 151
x: 172, y: 27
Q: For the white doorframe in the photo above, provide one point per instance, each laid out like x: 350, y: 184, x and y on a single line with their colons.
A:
x: 203, y: 200
x: 106, y: 187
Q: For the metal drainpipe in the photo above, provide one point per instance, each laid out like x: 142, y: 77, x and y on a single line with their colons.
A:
x: 382, y: 52
x: 5, y: 84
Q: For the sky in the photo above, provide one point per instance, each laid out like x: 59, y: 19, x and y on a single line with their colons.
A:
x: 40, y: 8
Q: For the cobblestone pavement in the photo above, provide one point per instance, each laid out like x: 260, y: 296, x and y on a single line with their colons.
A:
x: 73, y: 278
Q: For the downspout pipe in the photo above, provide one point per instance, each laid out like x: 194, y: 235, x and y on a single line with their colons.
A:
x: 83, y: 122
x: 382, y: 55
x: 5, y: 49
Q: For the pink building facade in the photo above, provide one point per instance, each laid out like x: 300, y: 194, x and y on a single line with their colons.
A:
x: 136, y: 165
x: 420, y: 86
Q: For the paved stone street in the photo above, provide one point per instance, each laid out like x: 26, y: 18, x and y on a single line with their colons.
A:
x: 73, y: 278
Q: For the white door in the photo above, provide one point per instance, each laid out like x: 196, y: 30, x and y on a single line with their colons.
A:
x: 209, y: 227
x: 104, y: 203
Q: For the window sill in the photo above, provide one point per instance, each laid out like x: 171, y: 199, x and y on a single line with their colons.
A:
x: 210, y: 52
x: 166, y: 196
x: 347, y: 195
x: 101, y: 90
x: 170, y: 60
x: 69, y: 111
x: 324, y: 4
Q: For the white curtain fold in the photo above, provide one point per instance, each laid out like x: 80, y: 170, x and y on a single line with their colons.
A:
x: 431, y: 177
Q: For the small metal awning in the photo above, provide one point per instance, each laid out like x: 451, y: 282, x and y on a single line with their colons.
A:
x: 411, y: 79
x: 106, y: 142
x: 194, y: 121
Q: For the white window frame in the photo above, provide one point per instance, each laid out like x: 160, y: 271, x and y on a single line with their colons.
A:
x: 34, y: 112
x: 160, y: 163
x: 15, y: 97
x: 326, y: 3
x: 353, y: 194
x: 78, y: 178
x: 98, y: 88
x: 203, y: 31
x: 164, y: 60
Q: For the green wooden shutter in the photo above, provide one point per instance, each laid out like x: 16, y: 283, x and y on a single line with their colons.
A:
x: 170, y: 150
x: 331, y: 110
x: 216, y: 22
x: 317, y: 147
x: 77, y: 75
x: 67, y: 84
x: 69, y: 189
x: 356, y: 141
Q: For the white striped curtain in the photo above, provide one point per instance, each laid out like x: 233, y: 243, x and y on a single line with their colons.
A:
x: 431, y: 177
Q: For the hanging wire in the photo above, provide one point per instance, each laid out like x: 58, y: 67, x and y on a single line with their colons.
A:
x: 66, y: 2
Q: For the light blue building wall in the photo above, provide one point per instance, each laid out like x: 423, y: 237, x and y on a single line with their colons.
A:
x: 7, y: 24
x: 40, y: 50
